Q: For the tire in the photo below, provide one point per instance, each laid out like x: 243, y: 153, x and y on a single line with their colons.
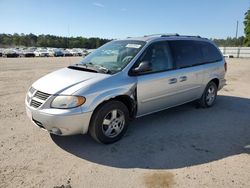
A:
x: 207, y: 101
x: 109, y: 122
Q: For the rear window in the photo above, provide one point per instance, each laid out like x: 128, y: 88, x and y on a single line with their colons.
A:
x: 185, y: 53
x: 209, y: 52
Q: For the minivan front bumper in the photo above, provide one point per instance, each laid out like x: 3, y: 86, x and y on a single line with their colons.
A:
x: 58, y: 122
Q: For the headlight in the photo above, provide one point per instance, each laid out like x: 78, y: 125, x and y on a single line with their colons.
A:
x: 64, y: 102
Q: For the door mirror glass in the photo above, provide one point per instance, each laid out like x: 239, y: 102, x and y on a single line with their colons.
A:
x: 143, y: 67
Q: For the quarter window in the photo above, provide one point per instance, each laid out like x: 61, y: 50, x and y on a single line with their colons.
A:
x: 209, y: 52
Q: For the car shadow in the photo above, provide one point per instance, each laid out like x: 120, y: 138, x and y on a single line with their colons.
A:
x: 178, y: 137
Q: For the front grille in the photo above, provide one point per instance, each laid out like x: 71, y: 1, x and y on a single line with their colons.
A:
x: 32, y: 90
x: 41, y: 95
x: 36, y: 98
x: 35, y: 104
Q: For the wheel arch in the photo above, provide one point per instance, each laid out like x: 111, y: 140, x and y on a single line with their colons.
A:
x: 125, y: 95
x: 216, y: 81
x: 128, y: 101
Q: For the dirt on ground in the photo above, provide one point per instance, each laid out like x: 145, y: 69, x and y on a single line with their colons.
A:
x: 184, y: 146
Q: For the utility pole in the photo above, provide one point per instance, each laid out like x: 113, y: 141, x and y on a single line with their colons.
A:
x: 236, y: 34
x: 68, y: 37
x: 237, y: 27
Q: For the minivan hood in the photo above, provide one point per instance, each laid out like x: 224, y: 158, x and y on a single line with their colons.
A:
x: 62, y: 80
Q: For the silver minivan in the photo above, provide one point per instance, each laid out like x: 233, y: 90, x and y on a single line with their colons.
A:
x: 126, y: 79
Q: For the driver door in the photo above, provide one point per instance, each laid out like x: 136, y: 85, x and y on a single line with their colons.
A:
x: 156, y: 88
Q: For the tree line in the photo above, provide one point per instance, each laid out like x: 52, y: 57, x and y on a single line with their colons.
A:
x: 230, y: 42
x: 31, y: 40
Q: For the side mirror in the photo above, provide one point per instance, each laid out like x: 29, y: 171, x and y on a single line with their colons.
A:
x: 144, y: 66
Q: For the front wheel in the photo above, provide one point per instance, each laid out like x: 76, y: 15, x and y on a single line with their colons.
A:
x: 109, y: 122
x: 208, y: 98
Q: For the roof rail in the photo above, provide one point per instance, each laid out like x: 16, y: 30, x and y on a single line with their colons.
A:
x: 162, y: 35
x: 173, y: 35
x: 170, y: 35
x: 198, y: 36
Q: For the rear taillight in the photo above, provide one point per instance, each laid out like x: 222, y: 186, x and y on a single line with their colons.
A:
x: 225, y: 66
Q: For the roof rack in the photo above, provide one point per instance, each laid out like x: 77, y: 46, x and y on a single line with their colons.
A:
x: 197, y: 36
x: 163, y: 35
x: 173, y: 35
x: 170, y: 35
x: 191, y: 36
x: 194, y: 36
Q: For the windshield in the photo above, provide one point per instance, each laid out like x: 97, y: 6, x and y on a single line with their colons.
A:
x: 113, y: 56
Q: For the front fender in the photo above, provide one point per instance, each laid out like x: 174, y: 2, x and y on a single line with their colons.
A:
x: 96, y: 99
x: 107, y: 95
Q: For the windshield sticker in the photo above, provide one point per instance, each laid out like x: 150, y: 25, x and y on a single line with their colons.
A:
x: 133, y: 46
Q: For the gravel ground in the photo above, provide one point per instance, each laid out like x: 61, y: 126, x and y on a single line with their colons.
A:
x: 180, y: 147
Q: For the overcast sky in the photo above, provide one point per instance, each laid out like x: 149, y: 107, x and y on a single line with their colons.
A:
x: 119, y: 19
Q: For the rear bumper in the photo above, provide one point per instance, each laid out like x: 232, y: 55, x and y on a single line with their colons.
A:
x: 60, y: 123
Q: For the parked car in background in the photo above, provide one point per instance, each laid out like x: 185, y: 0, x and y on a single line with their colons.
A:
x: 58, y: 53
x: 11, y: 53
x: 67, y: 53
x: 126, y: 79
x: 84, y: 52
x: 28, y: 53
x: 75, y: 52
x: 51, y: 52
x: 1, y: 52
x: 41, y: 53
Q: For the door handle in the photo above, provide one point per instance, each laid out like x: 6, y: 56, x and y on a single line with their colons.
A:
x: 172, y: 80
x: 183, y: 78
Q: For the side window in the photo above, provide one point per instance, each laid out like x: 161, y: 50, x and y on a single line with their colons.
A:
x: 158, y: 56
x: 185, y: 53
x: 209, y: 52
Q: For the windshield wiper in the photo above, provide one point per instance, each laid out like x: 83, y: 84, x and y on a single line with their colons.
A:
x: 90, y: 67
x: 82, y: 67
x: 100, y: 67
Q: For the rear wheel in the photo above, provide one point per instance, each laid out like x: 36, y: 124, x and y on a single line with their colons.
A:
x: 109, y: 122
x: 208, y: 98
